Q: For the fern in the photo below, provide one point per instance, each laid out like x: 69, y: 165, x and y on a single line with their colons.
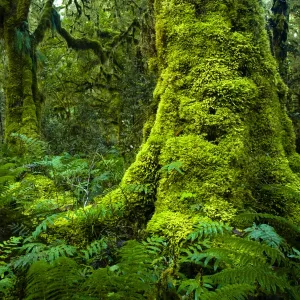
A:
x: 7, y: 280
x: 133, y: 275
x: 250, y: 275
x: 40, y: 252
x: 264, y: 233
x: 295, y: 255
x: 95, y: 248
x: 250, y: 218
x: 155, y: 244
x: 7, y: 248
x: 208, y: 230
x: 32, y: 148
x: 173, y: 166
x: 256, y: 249
x: 139, y: 188
x: 19, y: 229
x: 197, y: 286
x: 230, y: 292
x: 53, y: 281
x: 42, y: 227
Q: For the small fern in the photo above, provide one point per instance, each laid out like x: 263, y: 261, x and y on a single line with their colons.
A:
x: 264, y: 233
x: 42, y: 227
x: 95, y: 248
x: 207, y: 229
x: 196, y: 286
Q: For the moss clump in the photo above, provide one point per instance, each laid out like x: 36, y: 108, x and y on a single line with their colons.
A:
x: 38, y: 194
x: 221, y: 115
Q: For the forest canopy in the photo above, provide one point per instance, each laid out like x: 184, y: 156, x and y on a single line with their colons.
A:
x: 149, y: 149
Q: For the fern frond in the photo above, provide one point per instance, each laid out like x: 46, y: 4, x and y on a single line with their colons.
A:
x: 264, y: 233
x: 40, y: 252
x: 42, y: 227
x: 155, y: 244
x: 95, y: 248
x: 53, y: 281
x: 230, y: 292
x: 19, y: 229
x: 255, y: 248
x: 34, y: 148
x: 7, y: 248
x: 263, y: 275
x: 210, y: 229
x: 250, y: 218
x: 197, y: 286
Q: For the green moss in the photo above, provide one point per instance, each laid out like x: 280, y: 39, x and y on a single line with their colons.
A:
x: 38, y: 193
x: 221, y: 114
x: 174, y: 225
x: 21, y: 109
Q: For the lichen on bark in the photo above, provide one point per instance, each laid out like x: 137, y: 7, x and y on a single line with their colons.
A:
x: 221, y: 114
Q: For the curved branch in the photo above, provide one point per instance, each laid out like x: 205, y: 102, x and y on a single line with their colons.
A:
x: 83, y: 44
x: 44, y: 23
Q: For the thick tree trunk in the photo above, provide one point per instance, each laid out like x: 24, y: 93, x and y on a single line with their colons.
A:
x: 221, y: 142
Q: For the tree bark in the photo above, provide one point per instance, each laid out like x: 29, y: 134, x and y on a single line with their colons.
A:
x: 280, y: 27
x: 21, y: 105
x: 221, y: 142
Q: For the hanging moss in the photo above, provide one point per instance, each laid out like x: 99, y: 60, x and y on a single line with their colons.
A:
x: 221, y: 115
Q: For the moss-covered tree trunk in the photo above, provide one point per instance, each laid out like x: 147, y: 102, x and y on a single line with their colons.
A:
x: 221, y: 142
x: 22, y: 109
x: 280, y: 27
x: 22, y: 113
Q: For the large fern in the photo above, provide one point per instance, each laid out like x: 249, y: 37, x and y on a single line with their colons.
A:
x: 59, y: 280
x: 132, y: 278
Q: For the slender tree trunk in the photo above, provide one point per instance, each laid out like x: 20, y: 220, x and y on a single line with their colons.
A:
x: 221, y: 142
x: 22, y: 102
x: 21, y: 109
x: 280, y: 27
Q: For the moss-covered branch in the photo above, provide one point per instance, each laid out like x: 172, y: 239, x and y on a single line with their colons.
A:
x: 22, y: 10
x: 45, y: 22
x: 51, y: 19
x: 83, y: 44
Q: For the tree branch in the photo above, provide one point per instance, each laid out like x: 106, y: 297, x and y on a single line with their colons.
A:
x: 23, y: 10
x: 45, y: 22
x: 83, y: 44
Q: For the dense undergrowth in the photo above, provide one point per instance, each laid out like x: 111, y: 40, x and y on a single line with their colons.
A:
x: 55, y: 245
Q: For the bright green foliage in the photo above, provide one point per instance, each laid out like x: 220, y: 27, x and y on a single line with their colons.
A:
x: 39, y: 252
x: 196, y: 287
x: 56, y: 281
x: 231, y: 292
x: 208, y: 229
x: 95, y: 248
x: 202, y: 267
x: 176, y: 166
x: 7, y: 248
x: 7, y: 280
x: 131, y: 277
x: 265, y: 233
